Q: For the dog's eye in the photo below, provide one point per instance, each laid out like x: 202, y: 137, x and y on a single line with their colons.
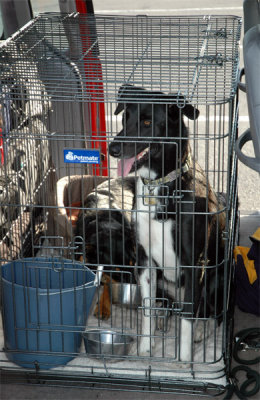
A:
x: 147, y: 123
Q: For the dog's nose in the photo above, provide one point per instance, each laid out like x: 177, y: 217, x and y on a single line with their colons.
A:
x: 115, y: 149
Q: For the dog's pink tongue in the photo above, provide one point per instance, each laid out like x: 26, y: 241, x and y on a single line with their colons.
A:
x: 124, y: 166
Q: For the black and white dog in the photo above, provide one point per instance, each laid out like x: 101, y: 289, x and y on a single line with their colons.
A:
x: 178, y: 221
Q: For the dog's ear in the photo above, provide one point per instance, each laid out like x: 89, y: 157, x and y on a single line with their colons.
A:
x: 191, y: 112
x: 122, y: 92
x: 179, y: 103
x: 126, y: 93
x: 119, y: 108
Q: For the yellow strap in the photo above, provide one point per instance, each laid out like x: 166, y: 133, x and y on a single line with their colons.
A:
x: 249, y: 264
x: 256, y: 235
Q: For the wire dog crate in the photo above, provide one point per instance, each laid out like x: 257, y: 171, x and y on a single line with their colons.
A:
x: 69, y: 85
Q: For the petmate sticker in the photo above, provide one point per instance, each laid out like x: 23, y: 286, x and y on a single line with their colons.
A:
x: 81, y: 156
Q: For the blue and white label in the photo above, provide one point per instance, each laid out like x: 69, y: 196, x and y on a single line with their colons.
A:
x: 81, y: 156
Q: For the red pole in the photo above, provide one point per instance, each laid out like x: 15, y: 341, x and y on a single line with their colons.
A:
x: 94, y: 86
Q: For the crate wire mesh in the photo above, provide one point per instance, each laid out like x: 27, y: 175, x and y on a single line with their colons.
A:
x: 60, y: 81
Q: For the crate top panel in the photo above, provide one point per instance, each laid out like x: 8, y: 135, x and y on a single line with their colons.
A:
x: 88, y: 58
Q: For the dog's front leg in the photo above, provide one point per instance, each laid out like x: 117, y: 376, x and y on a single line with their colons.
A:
x: 147, y: 280
x: 186, y: 340
x: 191, y: 301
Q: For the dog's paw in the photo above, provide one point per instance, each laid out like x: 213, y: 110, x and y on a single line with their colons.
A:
x: 199, y: 332
x: 185, y: 353
x: 145, y: 346
x: 203, y: 329
x: 183, y: 365
x: 186, y: 340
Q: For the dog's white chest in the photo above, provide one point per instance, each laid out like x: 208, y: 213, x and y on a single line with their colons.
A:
x: 156, y: 237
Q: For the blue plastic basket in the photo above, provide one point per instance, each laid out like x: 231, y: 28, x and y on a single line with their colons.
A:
x: 46, y: 303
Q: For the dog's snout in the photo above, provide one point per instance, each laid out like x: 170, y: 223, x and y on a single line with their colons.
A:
x: 115, y: 149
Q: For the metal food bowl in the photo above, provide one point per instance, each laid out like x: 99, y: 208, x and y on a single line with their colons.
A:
x: 126, y: 294
x: 107, y: 342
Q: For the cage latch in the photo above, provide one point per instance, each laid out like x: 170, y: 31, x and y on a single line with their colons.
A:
x: 217, y: 59
x: 177, y: 307
x: 157, y: 307
x: 219, y: 33
x: 160, y: 201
